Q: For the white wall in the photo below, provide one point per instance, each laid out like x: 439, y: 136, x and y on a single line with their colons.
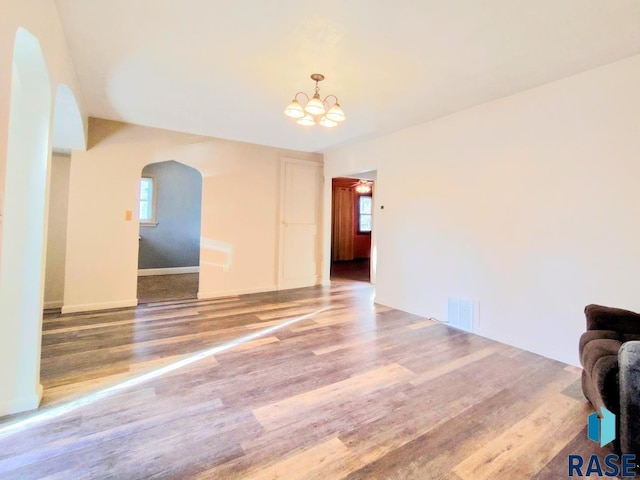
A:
x: 25, y: 133
x: 529, y: 205
x: 57, y: 231
x: 240, y: 195
x: 40, y: 18
x: 23, y: 226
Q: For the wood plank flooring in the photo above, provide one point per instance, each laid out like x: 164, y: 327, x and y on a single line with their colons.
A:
x: 154, y: 288
x: 354, y: 390
x: 355, y: 270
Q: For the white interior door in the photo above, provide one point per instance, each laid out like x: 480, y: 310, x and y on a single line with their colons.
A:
x: 299, y: 220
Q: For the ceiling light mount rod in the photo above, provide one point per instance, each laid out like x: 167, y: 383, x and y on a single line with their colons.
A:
x: 316, y: 110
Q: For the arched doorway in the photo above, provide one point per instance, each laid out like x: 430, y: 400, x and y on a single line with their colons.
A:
x: 23, y: 227
x: 68, y: 135
x: 169, y: 236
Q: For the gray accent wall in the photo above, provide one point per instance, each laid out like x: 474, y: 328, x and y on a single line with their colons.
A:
x: 175, y: 240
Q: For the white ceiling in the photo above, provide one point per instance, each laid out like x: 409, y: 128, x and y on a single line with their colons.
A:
x: 228, y: 68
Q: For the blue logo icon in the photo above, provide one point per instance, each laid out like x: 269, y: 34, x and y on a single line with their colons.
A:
x: 602, y: 428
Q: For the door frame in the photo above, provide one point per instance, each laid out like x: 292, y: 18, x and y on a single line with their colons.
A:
x: 328, y: 221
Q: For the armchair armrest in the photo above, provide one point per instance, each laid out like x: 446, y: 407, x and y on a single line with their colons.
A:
x: 629, y: 422
x: 609, y: 318
x: 591, y: 335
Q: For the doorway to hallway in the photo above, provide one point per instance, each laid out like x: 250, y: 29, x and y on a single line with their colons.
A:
x: 351, y: 228
x: 170, y: 211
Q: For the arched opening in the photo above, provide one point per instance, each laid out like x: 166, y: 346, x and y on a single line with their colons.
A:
x: 68, y: 135
x: 68, y: 129
x: 169, y: 241
x: 23, y: 227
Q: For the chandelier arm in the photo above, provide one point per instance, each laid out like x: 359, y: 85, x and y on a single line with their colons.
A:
x: 301, y: 93
x: 335, y: 99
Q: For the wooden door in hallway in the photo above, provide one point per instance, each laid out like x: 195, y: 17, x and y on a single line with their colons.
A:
x: 299, y: 215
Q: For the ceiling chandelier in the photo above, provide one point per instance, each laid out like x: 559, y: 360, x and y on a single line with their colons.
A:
x: 363, y: 186
x: 316, y: 111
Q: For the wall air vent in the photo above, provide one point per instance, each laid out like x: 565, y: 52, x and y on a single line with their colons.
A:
x: 460, y: 313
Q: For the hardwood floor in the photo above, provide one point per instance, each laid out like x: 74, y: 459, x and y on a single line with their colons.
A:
x: 301, y: 384
x: 158, y: 288
x: 357, y: 270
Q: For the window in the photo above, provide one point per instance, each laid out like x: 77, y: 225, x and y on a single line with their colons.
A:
x: 364, y: 214
x: 147, y: 213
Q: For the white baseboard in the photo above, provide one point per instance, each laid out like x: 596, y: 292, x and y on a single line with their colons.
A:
x: 22, y: 404
x: 232, y: 293
x: 53, y: 304
x: 167, y: 271
x: 88, y: 307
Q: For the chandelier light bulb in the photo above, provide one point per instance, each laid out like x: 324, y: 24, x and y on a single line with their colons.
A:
x: 315, y: 106
x: 335, y: 113
x: 306, y: 121
x: 294, y: 110
x: 326, y: 122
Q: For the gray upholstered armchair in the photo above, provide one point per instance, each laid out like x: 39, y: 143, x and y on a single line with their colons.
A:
x: 610, y: 356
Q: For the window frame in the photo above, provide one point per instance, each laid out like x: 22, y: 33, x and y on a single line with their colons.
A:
x: 150, y: 222
x: 360, y: 195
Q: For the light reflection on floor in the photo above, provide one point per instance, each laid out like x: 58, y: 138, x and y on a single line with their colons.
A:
x: 51, y: 413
